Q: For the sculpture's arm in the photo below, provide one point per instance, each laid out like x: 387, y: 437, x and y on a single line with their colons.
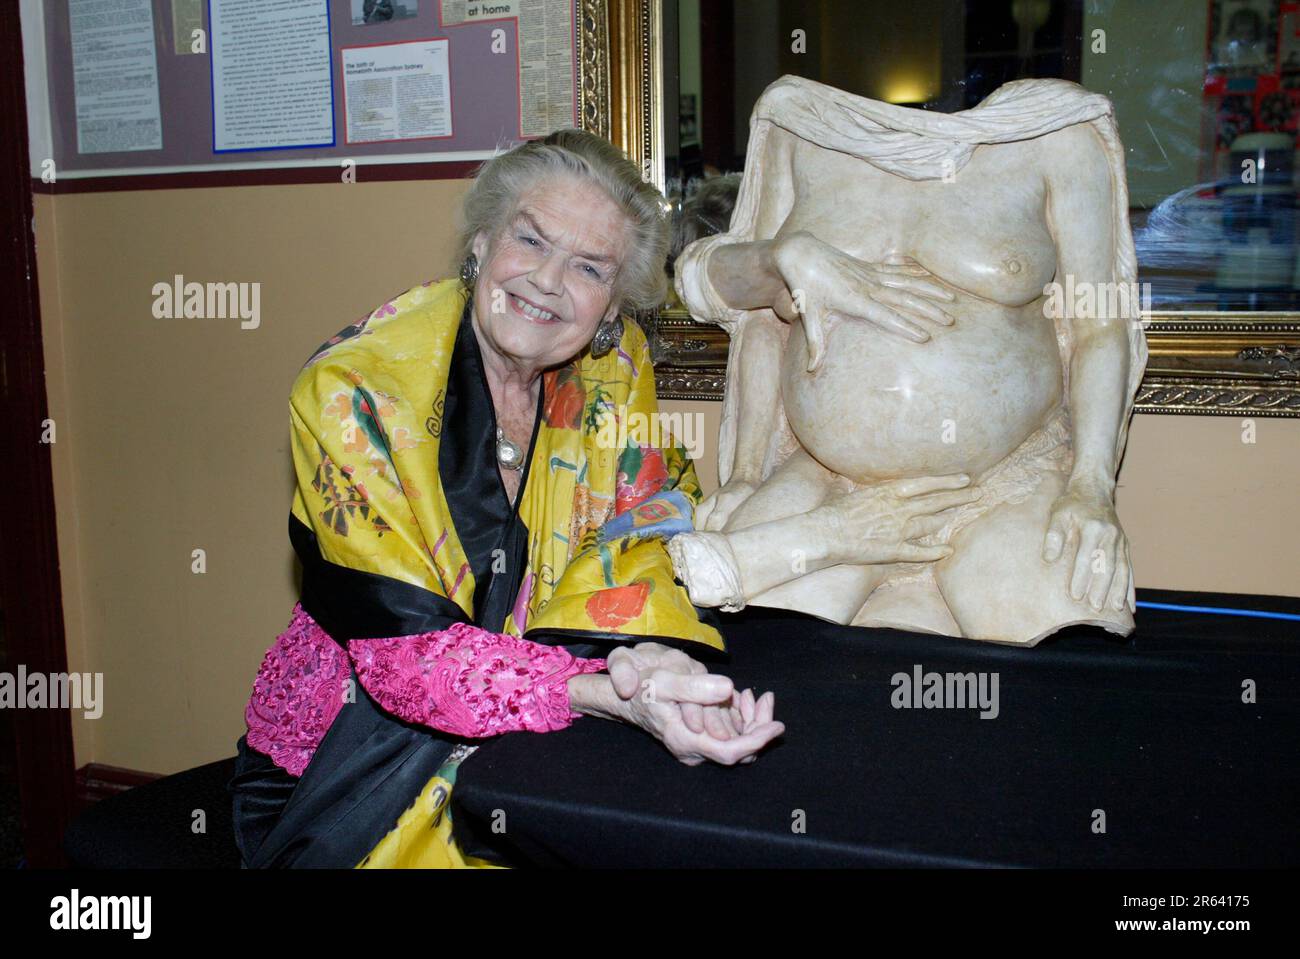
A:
x: 1081, y: 216
x: 746, y: 277
x: 871, y: 525
x: 757, y: 369
x: 717, y: 278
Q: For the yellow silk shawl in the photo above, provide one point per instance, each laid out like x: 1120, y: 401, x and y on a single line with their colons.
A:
x: 606, y: 484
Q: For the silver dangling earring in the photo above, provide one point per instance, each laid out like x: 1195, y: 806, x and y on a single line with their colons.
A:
x: 607, y: 336
x: 469, y: 270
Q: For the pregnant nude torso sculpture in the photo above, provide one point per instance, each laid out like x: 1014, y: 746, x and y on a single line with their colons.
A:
x: 919, y: 430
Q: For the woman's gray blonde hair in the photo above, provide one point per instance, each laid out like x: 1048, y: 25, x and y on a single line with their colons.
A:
x: 641, y: 282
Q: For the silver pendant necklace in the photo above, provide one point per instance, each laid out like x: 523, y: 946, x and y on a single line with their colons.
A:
x: 509, y: 455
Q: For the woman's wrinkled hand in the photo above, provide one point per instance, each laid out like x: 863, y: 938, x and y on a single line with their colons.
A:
x: 695, y: 714
x: 1084, y: 528
x: 877, y: 524
x: 896, y: 295
x: 716, y: 508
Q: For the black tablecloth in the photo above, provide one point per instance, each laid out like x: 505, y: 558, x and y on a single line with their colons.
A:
x: 1151, y: 730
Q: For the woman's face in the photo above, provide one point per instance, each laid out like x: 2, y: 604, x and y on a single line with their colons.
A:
x: 546, y: 281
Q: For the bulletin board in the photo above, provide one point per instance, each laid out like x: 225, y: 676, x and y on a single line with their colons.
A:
x: 177, y: 86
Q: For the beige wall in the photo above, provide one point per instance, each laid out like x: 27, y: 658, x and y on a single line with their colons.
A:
x: 172, y: 435
x: 1205, y: 510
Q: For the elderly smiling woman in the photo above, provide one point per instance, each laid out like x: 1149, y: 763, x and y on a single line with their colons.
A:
x: 472, y: 538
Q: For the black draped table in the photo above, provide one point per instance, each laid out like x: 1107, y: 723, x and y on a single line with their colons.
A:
x: 1104, y: 752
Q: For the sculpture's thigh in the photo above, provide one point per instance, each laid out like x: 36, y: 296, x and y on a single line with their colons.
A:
x: 835, y: 593
x: 796, y: 486
x: 997, y: 584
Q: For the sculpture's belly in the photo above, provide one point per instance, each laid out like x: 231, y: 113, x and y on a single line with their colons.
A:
x: 882, y: 407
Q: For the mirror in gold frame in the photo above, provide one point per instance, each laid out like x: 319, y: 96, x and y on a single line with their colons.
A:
x: 1218, y: 346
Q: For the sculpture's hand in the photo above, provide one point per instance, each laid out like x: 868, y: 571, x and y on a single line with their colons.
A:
x: 1083, y: 527
x: 696, y: 715
x: 716, y: 508
x: 876, y: 524
x: 894, y: 295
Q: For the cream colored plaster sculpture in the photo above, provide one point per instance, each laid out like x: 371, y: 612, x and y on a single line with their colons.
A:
x: 919, y: 429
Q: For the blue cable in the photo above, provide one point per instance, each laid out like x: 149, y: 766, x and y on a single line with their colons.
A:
x: 1224, y: 611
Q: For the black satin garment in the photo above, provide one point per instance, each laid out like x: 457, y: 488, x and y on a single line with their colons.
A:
x: 481, y: 512
x: 370, y: 766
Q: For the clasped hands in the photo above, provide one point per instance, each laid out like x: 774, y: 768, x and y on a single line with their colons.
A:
x: 697, y: 715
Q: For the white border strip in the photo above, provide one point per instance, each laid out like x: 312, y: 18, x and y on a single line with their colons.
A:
x: 337, y: 162
x: 40, y: 135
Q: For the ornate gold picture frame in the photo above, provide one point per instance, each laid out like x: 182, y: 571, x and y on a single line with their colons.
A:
x: 1200, y: 362
x: 618, y: 61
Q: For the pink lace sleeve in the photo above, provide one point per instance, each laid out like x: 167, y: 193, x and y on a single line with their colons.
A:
x: 299, y: 690
x: 470, y: 682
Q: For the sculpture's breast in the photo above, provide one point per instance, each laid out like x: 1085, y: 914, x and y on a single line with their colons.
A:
x: 986, y: 232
